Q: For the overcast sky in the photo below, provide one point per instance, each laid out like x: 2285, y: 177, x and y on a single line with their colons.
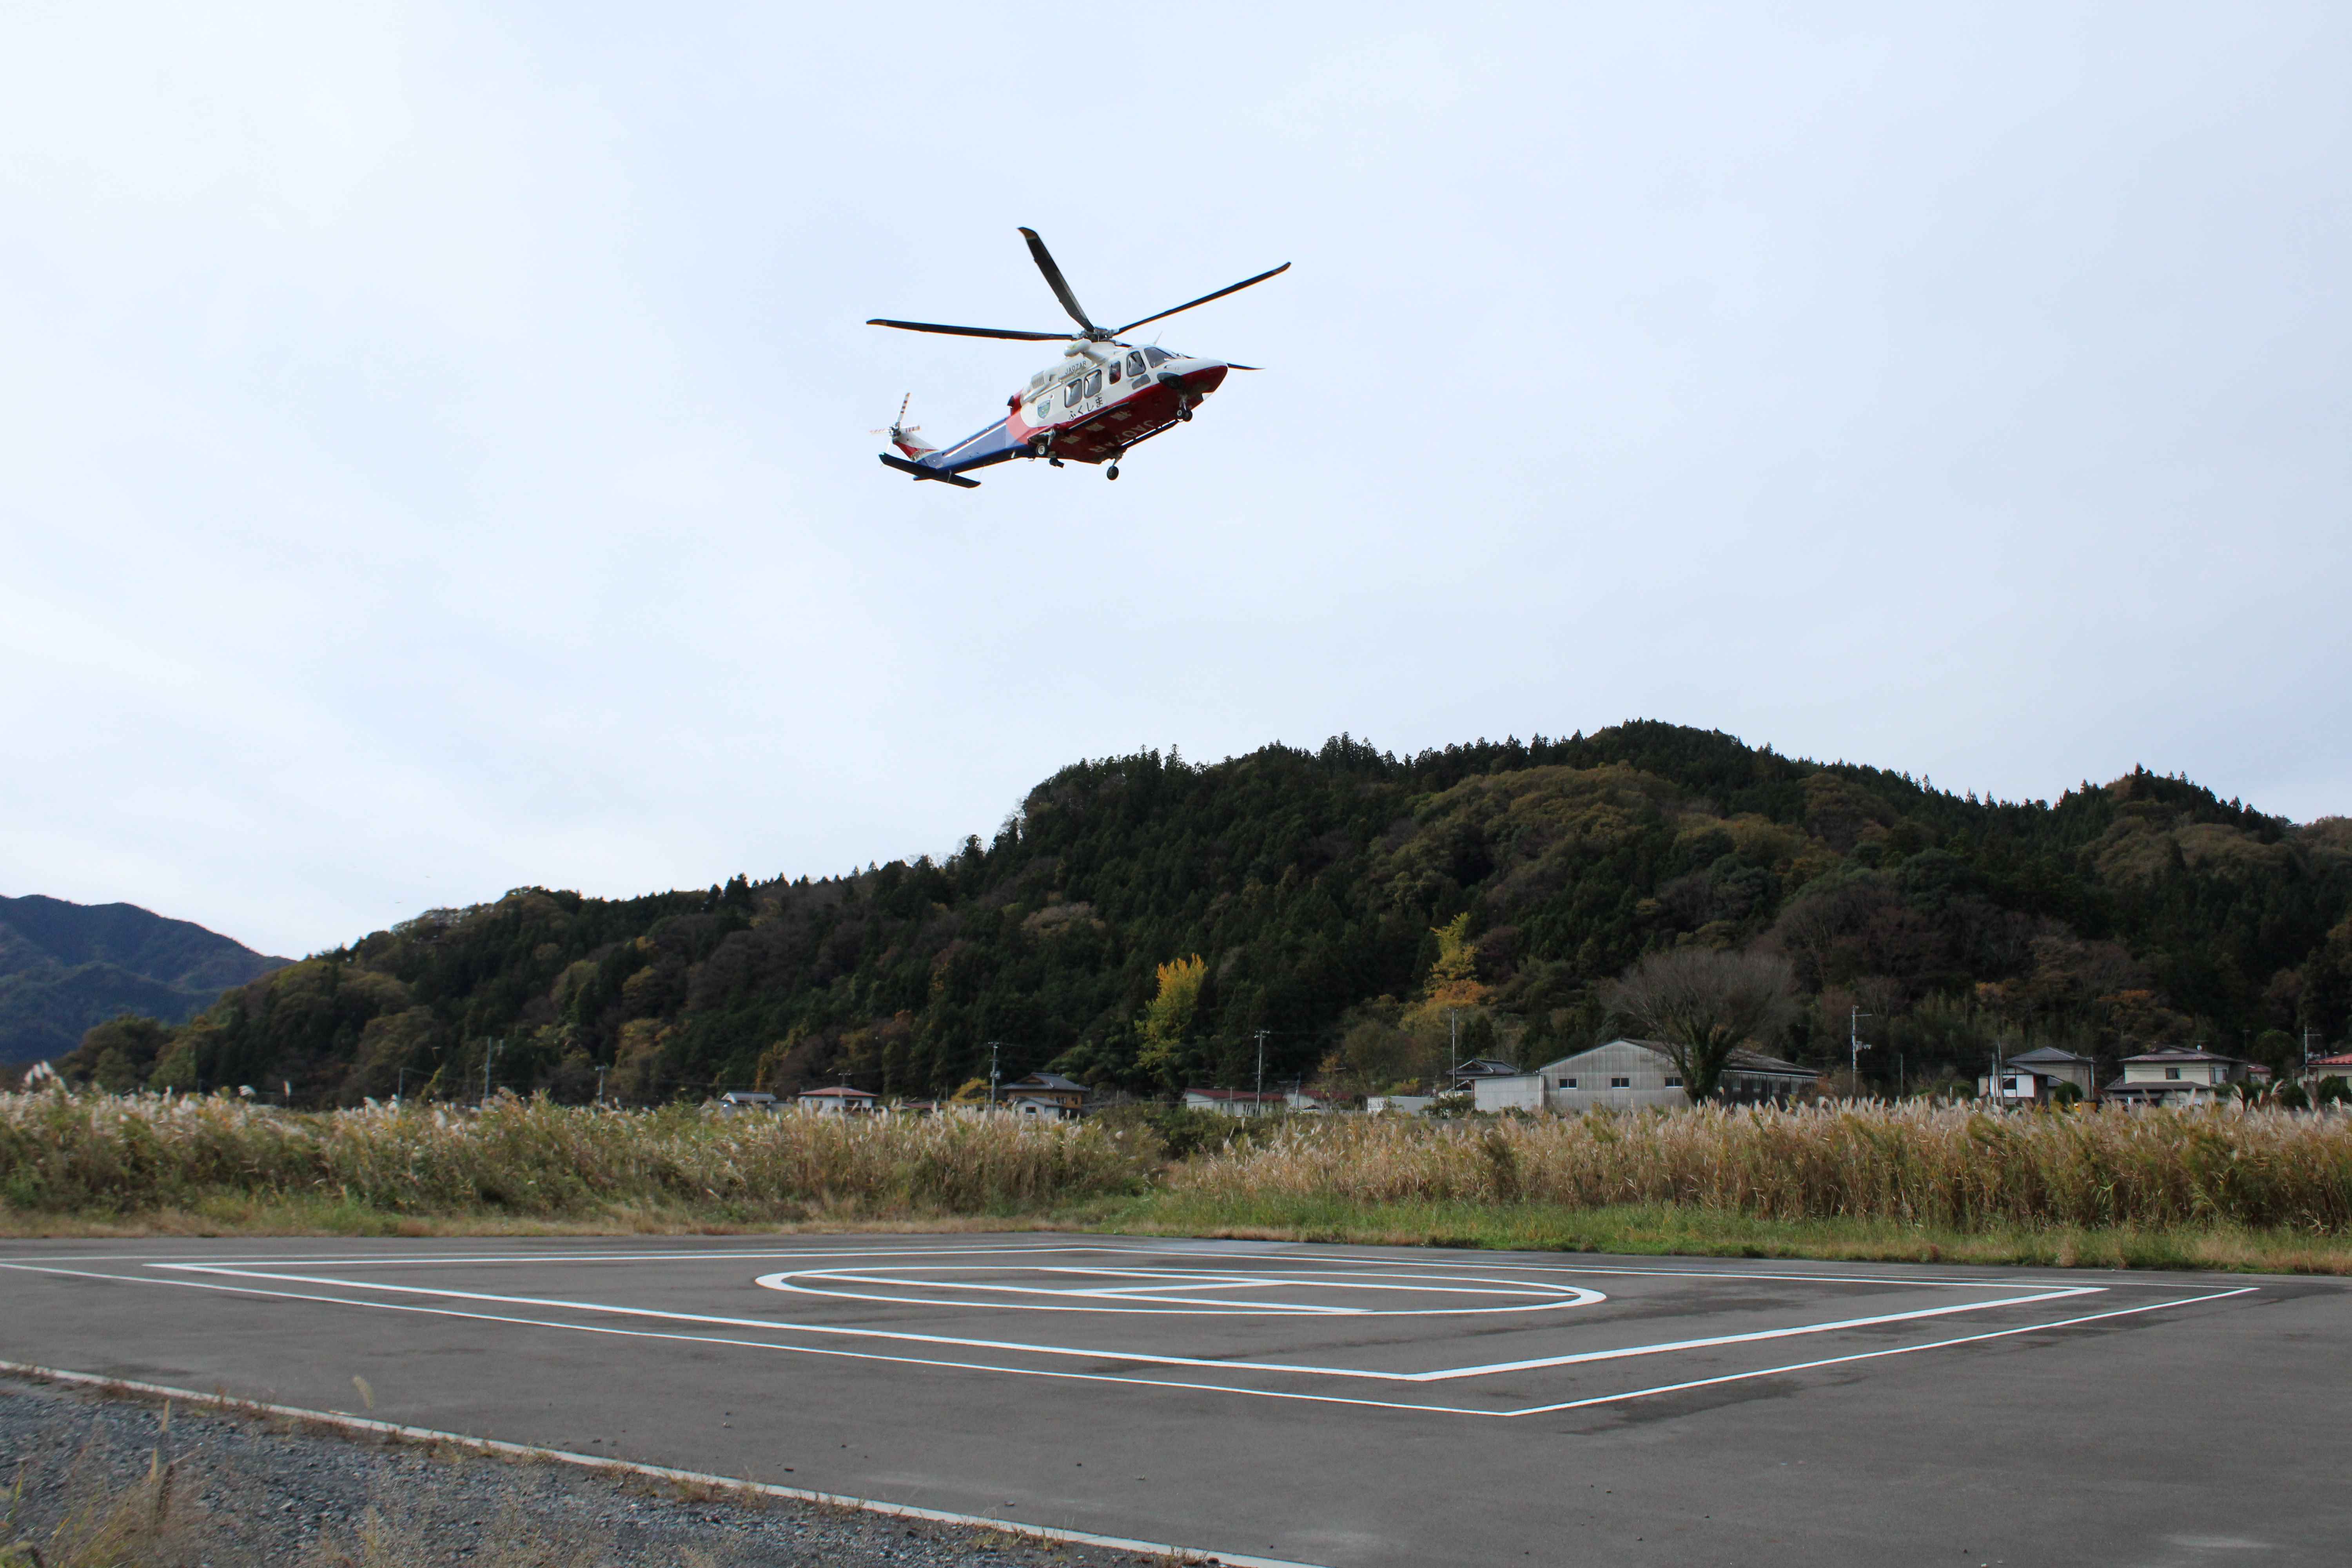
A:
x: 435, y: 452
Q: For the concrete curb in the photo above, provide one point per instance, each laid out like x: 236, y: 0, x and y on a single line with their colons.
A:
x: 356, y: 1424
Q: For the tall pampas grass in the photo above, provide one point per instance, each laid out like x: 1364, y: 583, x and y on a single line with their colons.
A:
x: 1950, y: 1166
x: 62, y: 1153
x: 1955, y: 1167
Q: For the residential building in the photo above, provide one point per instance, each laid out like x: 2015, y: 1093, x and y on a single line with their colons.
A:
x: 2180, y: 1077
x: 1236, y: 1101
x: 1466, y: 1074
x: 1626, y: 1074
x: 1398, y: 1104
x: 2034, y: 1076
x: 1050, y: 1087
x: 1038, y: 1107
x: 736, y: 1101
x: 2332, y: 1067
x: 835, y: 1101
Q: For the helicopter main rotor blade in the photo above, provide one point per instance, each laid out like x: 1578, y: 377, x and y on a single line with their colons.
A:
x: 1044, y: 260
x: 971, y: 332
x: 1204, y: 300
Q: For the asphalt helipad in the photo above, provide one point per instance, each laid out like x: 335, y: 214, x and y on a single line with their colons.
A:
x: 1342, y: 1406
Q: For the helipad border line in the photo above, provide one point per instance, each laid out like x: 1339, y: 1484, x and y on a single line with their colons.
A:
x: 1435, y: 1375
x: 1879, y: 1355
x: 1110, y: 1242
x: 827, y: 1352
x: 1432, y: 1376
x: 658, y: 1472
x: 832, y: 1352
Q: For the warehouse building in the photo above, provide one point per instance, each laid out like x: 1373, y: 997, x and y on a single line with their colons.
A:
x: 1626, y: 1074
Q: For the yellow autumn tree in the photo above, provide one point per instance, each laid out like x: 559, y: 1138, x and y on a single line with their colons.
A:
x: 1451, y: 1015
x: 1168, y: 1019
x: 1454, y: 961
x: 1454, y: 977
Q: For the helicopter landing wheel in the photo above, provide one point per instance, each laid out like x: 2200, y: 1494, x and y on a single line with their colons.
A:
x: 1185, y: 411
x: 1052, y: 461
x: 1111, y: 472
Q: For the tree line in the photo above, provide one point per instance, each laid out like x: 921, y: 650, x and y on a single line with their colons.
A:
x: 1144, y: 923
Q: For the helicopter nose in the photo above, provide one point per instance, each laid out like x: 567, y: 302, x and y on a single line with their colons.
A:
x: 1203, y: 376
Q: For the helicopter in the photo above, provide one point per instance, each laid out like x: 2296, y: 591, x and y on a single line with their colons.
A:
x: 1103, y: 399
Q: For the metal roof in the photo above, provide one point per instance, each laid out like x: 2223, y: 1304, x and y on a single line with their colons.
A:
x: 1742, y: 1060
x: 2045, y: 1054
x: 1052, y: 1080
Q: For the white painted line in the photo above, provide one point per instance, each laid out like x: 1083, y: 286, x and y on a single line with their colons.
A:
x: 1178, y: 1384
x: 337, y: 1419
x: 1754, y: 1336
x: 828, y: 1352
x: 1541, y: 1298
x: 678, y: 1256
x: 1492, y: 1260
x: 1874, y: 1355
x: 1016, y: 1347
x: 1141, y: 1246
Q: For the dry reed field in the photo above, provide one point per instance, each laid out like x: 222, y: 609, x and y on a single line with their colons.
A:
x: 70, y: 1154
x: 1954, y: 1168
x: 1950, y: 1166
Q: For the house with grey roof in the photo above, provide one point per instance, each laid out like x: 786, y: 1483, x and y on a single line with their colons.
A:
x: 2180, y: 1077
x: 1051, y: 1088
x: 2034, y: 1076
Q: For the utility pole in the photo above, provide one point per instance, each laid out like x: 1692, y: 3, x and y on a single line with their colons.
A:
x: 1261, y: 1071
x: 992, y: 1073
x: 600, y: 1088
x: 2307, y: 1053
x: 400, y: 1085
x: 1854, y: 1054
x: 489, y: 1055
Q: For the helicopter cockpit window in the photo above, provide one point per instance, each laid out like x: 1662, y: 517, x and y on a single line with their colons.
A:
x: 1135, y: 363
x: 1158, y: 356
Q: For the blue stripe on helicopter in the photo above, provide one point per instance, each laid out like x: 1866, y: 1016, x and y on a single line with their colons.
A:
x: 993, y: 445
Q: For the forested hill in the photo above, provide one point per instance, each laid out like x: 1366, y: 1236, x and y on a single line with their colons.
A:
x: 1345, y: 902
x: 63, y: 966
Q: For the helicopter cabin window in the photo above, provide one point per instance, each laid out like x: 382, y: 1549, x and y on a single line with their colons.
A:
x: 1094, y: 383
x: 1135, y: 363
x: 1114, y: 372
x: 1070, y: 392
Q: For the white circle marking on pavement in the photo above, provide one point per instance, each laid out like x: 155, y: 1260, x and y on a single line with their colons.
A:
x: 1185, y: 1291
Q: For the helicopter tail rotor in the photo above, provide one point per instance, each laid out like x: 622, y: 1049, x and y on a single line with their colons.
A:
x: 903, y: 434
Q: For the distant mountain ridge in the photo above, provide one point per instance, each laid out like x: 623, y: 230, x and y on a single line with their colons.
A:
x: 66, y: 966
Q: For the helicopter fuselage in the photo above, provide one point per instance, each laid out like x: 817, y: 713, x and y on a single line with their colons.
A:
x: 1100, y: 400
x: 1105, y: 397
